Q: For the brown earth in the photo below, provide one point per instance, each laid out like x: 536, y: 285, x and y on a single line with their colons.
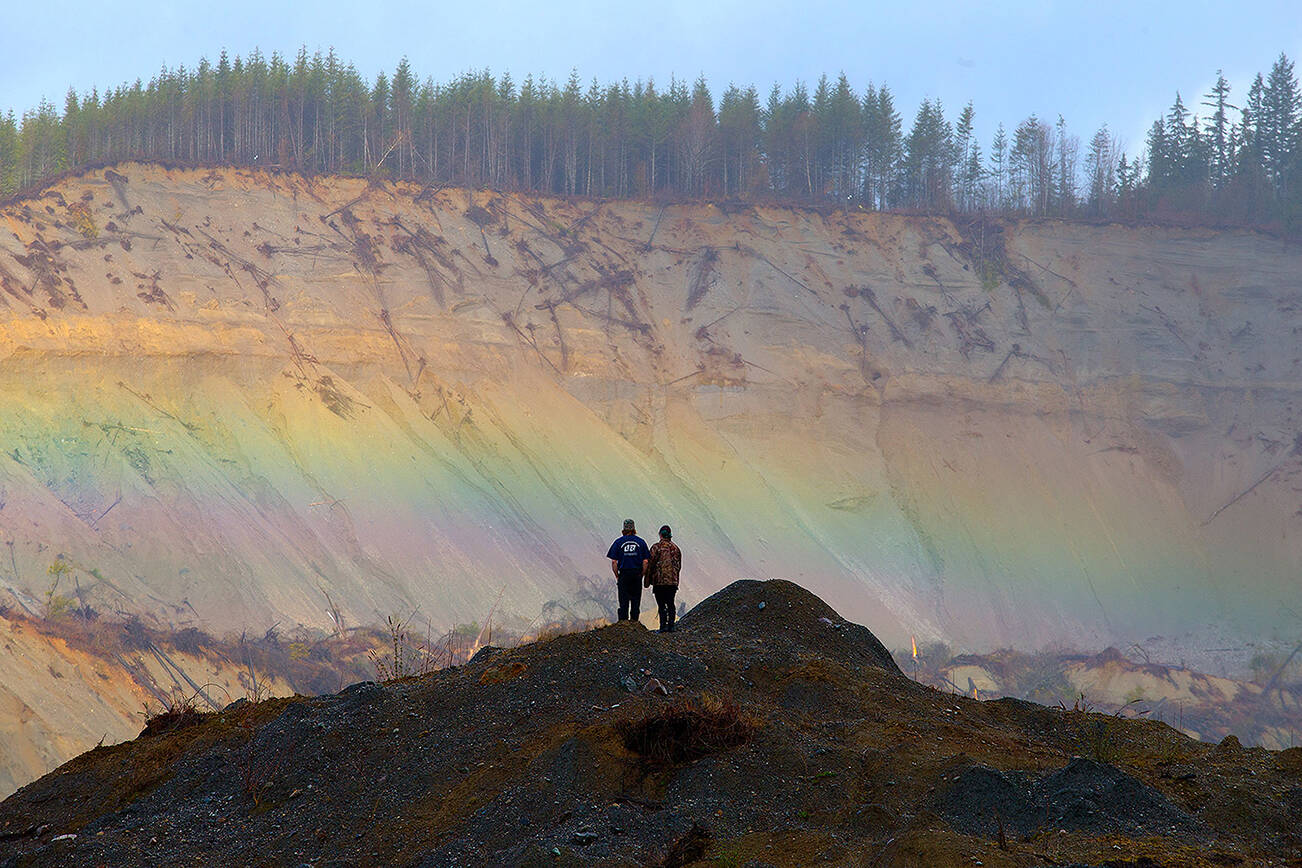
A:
x: 522, y: 757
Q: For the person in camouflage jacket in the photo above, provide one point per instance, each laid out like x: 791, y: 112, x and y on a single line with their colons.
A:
x: 663, y: 566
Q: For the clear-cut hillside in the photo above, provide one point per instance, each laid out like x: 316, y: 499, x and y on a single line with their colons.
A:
x: 243, y: 397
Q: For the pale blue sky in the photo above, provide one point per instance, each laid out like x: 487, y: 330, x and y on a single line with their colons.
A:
x: 1106, y: 60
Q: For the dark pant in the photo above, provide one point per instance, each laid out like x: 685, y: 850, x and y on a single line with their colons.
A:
x: 630, y: 594
x: 665, y: 601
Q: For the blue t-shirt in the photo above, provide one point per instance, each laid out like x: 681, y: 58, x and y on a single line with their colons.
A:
x: 630, y: 551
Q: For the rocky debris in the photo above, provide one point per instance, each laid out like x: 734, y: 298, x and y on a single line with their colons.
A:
x: 782, y: 743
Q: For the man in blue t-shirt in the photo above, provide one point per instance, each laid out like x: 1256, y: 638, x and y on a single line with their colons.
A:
x: 628, y: 556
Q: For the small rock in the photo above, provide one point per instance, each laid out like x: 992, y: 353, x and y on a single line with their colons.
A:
x: 68, y: 837
x: 762, y: 605
x: 486, y: 651
x: 655, y: 685
x: 583, y: 838
x: 556, y: 852
x: 629, y: 684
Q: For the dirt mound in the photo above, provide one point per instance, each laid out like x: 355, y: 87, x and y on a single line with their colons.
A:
x: 1084, y: 796
x: 751, y: 607
x: 769, y: 740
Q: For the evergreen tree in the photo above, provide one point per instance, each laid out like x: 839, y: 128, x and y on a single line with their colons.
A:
x: 1068, y: 146
x: 998, y: 172
x: 1160, y: 162
x: 840, y: 123
x: 1101, y: 169
x: 1031, y: 162
x: 929, y: 159
x: 883, y: 148
x: 965, y: 180
x: 697, y: 139
x: 1278, y: 123
x: 740, y: 136
x: 1219, y: 132
x: 10, y: 180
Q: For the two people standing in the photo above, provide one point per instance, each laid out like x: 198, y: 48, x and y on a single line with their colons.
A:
x: 657, y: 567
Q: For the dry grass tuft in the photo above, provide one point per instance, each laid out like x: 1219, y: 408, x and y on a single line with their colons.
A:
x: 688, y: 729
x: 407, y: 659
x: 180, y: 712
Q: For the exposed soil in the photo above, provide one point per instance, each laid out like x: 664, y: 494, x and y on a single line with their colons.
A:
x: 520, y: 757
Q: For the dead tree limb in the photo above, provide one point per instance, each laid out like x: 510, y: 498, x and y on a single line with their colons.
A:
x: 655, y: 228
x: 1274, y: 679
x: 1166, y: 321
x: 871, y: 297
x: 751, y: 251
x: 999, y: 370
x: 106, y: 512
x: 685, y: 376
x: 1242, y: 494
x: 1063, y: 277
x: 343, y: 207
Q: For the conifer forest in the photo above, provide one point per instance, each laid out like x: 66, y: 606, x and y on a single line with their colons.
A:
x: 1217, y: 158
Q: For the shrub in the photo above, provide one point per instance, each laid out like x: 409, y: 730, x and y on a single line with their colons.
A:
x: 58, y: 605
x: 688, y: 729
x: 83, y: 221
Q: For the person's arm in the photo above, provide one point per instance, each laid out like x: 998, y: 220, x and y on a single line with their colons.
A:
x: 613, y: 554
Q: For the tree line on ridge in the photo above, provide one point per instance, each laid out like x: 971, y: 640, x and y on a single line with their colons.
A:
x: 1235, y: 164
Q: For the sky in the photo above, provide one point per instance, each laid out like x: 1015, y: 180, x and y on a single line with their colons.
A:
x: 1091, y: 62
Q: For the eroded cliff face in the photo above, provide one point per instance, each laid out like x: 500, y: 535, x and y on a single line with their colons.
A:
x: 60, y: 698
x: 230, y: 395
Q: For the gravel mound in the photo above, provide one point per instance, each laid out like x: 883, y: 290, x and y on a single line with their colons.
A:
x: 751, y: 607
x: 1084, y: 796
